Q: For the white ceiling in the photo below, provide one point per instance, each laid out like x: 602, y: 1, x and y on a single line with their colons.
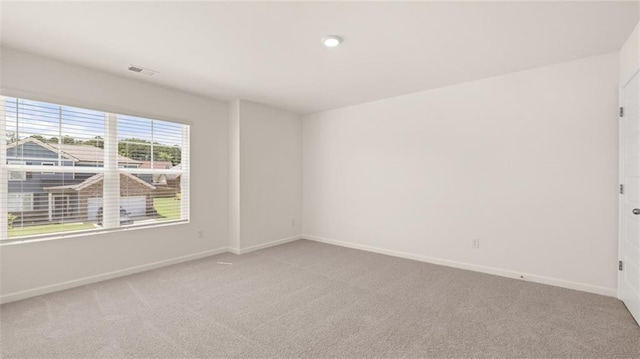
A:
x: 271, y: 52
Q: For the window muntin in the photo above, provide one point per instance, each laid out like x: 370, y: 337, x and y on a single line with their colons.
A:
x: 58, y: 164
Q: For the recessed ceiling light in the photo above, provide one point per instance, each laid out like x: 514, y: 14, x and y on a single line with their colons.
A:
x: 331, y: 40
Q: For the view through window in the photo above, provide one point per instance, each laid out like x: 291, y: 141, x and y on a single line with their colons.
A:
x: 68, y: 169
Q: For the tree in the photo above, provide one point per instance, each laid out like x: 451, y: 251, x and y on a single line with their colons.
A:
x: 39, y: 138
x: 140, y: 150
x: 11, y: 137
x: 68, y: 140
x: 10, y: 219
x: 165, y: 156
x: 135, y: 148
x: 95, y: 142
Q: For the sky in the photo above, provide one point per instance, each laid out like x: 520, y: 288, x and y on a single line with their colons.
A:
x: 50, y: 120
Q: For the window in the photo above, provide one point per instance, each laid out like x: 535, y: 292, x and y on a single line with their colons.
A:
x: 48, y: 164
x: 70, y: 169
x: 20, y: 202
x: 17, y: 176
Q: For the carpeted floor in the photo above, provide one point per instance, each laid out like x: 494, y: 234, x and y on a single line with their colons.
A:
x: 310, y: 300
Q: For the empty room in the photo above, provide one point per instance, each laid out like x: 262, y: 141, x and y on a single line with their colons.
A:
x: 423, y: 179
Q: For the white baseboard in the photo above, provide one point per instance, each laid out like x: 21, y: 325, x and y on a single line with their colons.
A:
x: 12, y: 297
x: 265, y: 245
x: 611, y: 292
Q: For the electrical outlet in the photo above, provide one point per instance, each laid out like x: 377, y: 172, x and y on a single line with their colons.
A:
x: 475, y: 243
x: 200, y: 233
x: 293, y: 222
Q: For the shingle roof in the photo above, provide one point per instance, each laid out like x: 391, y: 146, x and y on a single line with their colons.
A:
x: 163, y: 165
x: 96, y: 179
x: 88, y: 153
x: 79, y: 153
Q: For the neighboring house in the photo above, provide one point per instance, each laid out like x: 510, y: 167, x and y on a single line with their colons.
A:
x: 173, y: 180
x: 168, y: 185
x: 156, y: 179
x: 51, y: 197
x: 136, y: 196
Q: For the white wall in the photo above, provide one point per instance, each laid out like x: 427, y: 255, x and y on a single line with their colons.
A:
x: 270, y: 175
x: 527, y: 162
x: 630, y: 56
x: 33, y: 265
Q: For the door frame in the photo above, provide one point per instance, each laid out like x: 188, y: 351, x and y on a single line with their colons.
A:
x: 621, y: 181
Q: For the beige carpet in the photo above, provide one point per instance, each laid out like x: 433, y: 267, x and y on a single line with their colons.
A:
x: 311, y: 300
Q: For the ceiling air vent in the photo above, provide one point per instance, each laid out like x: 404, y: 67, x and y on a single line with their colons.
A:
x: 142, y: 70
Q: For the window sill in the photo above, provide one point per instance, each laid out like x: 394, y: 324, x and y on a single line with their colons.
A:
x: 86, y: 233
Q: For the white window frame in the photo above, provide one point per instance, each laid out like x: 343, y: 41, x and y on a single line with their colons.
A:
x: 24, y: 174
x: 111, y: 219
x: 22, y: 196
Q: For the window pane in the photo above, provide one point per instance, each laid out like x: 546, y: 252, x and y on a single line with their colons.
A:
x: 69, y: 194
x: 19, y: 202
x: 150, y: 144
x: 40, y: 132
x: 35, y: 119
x: 50, y: 203
x: 16, y: 176
x: 151, y: 198
x: 82, y: 136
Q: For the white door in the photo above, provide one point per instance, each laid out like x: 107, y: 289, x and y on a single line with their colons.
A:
x: 136, y: 206
x: 629, y: 243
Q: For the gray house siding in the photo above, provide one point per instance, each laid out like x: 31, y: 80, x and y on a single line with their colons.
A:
x: 34, y: 154
x: 35, y: 181
x: 31, y: 150
x: 60, y: 201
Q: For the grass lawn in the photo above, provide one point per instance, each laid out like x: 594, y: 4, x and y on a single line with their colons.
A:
x: 47, y: 228
x: 167, y: 208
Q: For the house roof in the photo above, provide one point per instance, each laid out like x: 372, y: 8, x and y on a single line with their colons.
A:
x: 96, y: 179
x: 172, y: 176
x: 45, y: 145
x: 88, y: 153
x: 77, y: 153
x: 163, y: 165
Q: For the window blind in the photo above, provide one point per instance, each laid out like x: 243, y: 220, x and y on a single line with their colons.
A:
x: 68, y: 169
